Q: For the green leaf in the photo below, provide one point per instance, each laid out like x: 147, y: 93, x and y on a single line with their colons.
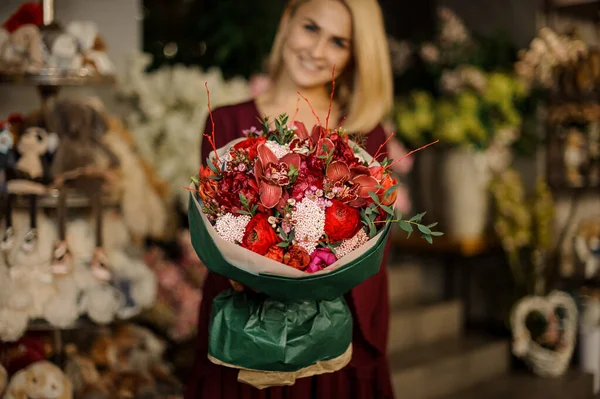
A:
x: 243, y: 200
x: 424, y: 229
x: 212, y: 166
x: 437, y: 233
x: 391, y: 190
x: 427, y: 238
x: 388, y: 209
x: 417, y: 218
x: 399, y: 215
x: 283, y: 244
x: 432, y: 225
x: 372, y: 230
x: 374, y: 197
x: 404, y: 225
x: 243, y: 212
x: 195, y: 180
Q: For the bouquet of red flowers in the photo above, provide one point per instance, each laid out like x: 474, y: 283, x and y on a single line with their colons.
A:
x: 301, y: 217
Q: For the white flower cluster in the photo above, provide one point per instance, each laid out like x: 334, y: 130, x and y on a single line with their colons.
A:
x: 309, y: 221
x: 453, y: 30
x: 350, y: 245
x: 169, y: 111
x: 279, y: 150
x: 545, y: 53
x: 231, y: 227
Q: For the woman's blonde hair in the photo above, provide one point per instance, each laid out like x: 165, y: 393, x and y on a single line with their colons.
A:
x: 367, y: 96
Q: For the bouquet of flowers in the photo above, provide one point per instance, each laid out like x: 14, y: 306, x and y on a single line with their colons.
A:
x: 300, y: 217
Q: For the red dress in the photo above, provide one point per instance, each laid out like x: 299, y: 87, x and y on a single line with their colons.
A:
x: 365, y: 377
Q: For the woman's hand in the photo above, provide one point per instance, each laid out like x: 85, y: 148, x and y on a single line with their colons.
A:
x: 239, y: 287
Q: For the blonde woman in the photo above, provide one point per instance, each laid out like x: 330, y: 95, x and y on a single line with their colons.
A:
x: 313, y: 37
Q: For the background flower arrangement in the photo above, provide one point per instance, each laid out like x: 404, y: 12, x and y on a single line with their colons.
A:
x: 459, y: 89
x: 168, y: 112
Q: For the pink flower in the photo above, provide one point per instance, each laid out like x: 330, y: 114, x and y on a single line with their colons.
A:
x: 320, y: 259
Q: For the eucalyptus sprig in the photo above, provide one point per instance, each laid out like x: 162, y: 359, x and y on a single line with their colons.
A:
x: 408, y: 225
x: 282, y: 133
x: 288, y: 239
x: 248, y: 210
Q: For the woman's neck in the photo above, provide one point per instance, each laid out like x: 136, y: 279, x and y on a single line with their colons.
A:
x: 285, y: 91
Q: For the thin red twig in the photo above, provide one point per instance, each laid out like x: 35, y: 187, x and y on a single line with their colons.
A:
x: 330, y: 98
x: 410, y: 153
x: 211, y: 138
x: 296, y: 113
x: 342, y: 122
x: 311, y: 108
x: 380, y: 148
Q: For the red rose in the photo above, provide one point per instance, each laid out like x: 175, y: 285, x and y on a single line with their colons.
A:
x: 342, y: 221
x: 259, y: 235
x: 297, y: 257
x: 275, y: 253
x: 250, y: 144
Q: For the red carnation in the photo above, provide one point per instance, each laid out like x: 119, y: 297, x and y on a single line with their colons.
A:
x: 259, y: 235
x: 342, y: 221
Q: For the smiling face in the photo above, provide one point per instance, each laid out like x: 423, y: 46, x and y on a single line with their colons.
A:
x: 317, y: 37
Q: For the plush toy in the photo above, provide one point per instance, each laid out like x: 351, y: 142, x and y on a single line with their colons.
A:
x: 27, y: 178
x: 3, y: 379
x: 39, y: 380
x: 64, y: 53
x: 24, y: 51
x: 140, y: 351
x: 27, y: 13
x: 24, y: 352
x: 84, y: 163
x: 6, y: 145
x: 81, y: 371
x: 91, y: 47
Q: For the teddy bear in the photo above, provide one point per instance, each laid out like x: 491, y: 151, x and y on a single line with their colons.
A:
x: 39, y: 380
x: 82, y: 163
x: 81, y: 371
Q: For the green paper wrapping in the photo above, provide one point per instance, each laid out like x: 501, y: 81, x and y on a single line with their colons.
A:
x: 329, y: 284
x: 255, y: 332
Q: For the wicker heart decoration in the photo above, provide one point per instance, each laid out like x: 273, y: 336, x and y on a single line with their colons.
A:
x: 560, y: 333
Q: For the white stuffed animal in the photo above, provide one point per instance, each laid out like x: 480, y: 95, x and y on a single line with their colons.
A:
x: 64, y: 53
x: 91, y: 46
x: 41, y: 380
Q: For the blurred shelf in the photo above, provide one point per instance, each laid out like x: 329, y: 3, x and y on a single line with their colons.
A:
x: 41, y: 325
x: 55, y: 77
x: 74, y: 200
x: 445, y: 245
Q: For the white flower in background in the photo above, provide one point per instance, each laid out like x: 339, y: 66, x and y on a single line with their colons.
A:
x: 400, y: 53
x: 430, y: 53
x: 170, y: 109
x: 546, y: 52
x: 453, y: 30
